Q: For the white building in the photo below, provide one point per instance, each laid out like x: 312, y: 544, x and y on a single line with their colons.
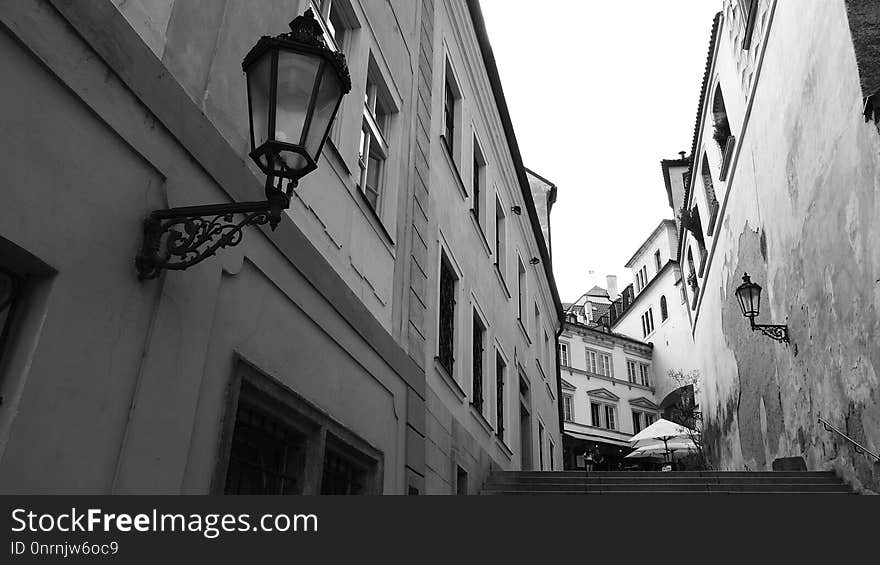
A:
x: 608, y: 392
x: 657, y: 313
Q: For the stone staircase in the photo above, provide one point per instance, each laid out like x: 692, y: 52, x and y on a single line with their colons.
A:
x: 673, y: 482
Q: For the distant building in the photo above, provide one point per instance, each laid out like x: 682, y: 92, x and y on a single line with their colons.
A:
x: 608, y: 393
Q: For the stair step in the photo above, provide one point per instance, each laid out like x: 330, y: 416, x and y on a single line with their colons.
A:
x: 674, y: 486
x: 644, y: 492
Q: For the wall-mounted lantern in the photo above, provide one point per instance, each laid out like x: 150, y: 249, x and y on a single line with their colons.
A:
x: 749, y: 296
x: 534, y: 261
x: 516, y: 210
x: 295, y: 84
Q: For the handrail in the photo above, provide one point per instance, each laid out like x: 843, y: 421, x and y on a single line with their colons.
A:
x: 859, y: 448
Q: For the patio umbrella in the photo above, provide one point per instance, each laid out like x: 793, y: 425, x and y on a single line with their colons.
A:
x: 662, y: 430
x: 659, y: 449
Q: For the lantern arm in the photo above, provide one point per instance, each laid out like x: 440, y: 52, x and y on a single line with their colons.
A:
x: 776, y: 332
x: 178, y: 238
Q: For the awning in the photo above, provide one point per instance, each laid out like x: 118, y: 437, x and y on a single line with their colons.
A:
x: 597, y: 438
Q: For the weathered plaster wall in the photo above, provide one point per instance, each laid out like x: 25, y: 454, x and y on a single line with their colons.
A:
x: 801, y: 219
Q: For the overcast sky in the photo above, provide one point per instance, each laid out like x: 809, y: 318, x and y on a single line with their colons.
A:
x: 598, y: 93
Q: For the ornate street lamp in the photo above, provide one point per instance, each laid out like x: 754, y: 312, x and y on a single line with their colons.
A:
x: 749, y: 296
x: 295, y: 84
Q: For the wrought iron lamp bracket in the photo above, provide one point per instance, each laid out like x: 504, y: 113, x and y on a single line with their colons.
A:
x: 775, y: 332
x: 178, y: 238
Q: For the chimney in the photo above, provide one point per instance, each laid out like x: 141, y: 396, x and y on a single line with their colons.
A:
x: 611, y: 283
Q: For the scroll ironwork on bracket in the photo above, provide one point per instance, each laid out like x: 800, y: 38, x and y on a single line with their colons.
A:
x: 178, y: 238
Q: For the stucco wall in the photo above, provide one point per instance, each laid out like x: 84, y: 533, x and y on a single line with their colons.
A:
x: 120, y: 385
x: 800, y: 218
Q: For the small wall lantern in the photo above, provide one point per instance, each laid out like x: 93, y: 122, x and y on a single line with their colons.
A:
x: 749, y: 296
x: 534, y: 261
x: 295, y: 84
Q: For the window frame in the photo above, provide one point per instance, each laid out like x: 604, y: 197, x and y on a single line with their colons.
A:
x: 567, y: 407
x: 293, y: 412
x: 451, y: 112
x: 564, y: 358
x: 374, y: 144
x: 447, y: 260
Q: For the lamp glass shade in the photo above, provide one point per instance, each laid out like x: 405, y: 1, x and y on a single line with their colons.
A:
x: 326, y: 103
x: 295, y: 85
x: 259, y: 82
x: 749, y: 296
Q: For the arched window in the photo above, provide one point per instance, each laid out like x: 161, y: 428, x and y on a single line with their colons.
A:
x: 719, y: 120
x: 664, y: 313
x: 722, y: 133
x: 692, y: 278
x: 711, y: 199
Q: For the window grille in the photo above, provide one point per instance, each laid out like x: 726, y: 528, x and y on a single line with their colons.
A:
x: 266, y: 456
x: 447, y: 317
x: 477, y: 372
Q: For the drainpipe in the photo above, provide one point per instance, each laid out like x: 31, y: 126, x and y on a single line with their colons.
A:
x: 559, y: 402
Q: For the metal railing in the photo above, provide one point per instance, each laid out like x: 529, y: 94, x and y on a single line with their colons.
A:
x: 859, y: 448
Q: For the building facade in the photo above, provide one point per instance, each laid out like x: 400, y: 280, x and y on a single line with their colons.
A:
x: 608, y: 393
x: 657, y: 312
x: 312, y: 346
x: 491, y: 312
x: 782, y: 185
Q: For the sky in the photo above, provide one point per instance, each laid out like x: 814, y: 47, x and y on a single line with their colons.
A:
x: 599, y: 92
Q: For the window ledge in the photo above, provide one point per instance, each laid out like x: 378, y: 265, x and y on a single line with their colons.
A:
x: 447, y: 378
x: 522, y: 328
x: 503, y: 284
x: 503, y: 447
x: 373, y: 217
x: 451, y: 162
x: 336, y: 154
x: 481, y: 235
x: 550, y: 391
x: 487, y: 427
x: 540, y: 369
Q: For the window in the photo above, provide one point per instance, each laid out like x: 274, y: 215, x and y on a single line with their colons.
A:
x: 664, y: 312
x: 637, y: 422
x: 568, y: 407
x: 546, y: 351
x: 563, y: 354
x: 373, y: 149
x: 648, y: 322
x: 748, y: 9
x: 11, y: 286
x: 330, y: 15
x: 722, y: 134
x: 644, y: 372
x: 500, y: 237
x: 594, y: 415
x: 592, y: 361
x: 536, y: 319
x: 479, y: 331
x: 451, y: 96
x: 461, y: 479
x: 641, y: 278
x: 605, y: 368
x: 500, y: 370
x: 541, y: 445
x: 631, y: 371
x: 657, y: 260
x: 337, y: 20
x: 446, y: 332
x: 709, y: 190
x: 692, y: 278
x: 521, y: 288
x: 609, y: 417
x: 641, y: 420
x: 649, y: 419
x: 275, y: 439
x: 550, y: 453
x: 478, y: 175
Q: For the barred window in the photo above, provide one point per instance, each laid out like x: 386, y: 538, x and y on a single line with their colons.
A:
x: 10, y: 295
x: 275, y: 442
x: 448, y: 279
x: 500, y: 370
x: 479, y: 331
